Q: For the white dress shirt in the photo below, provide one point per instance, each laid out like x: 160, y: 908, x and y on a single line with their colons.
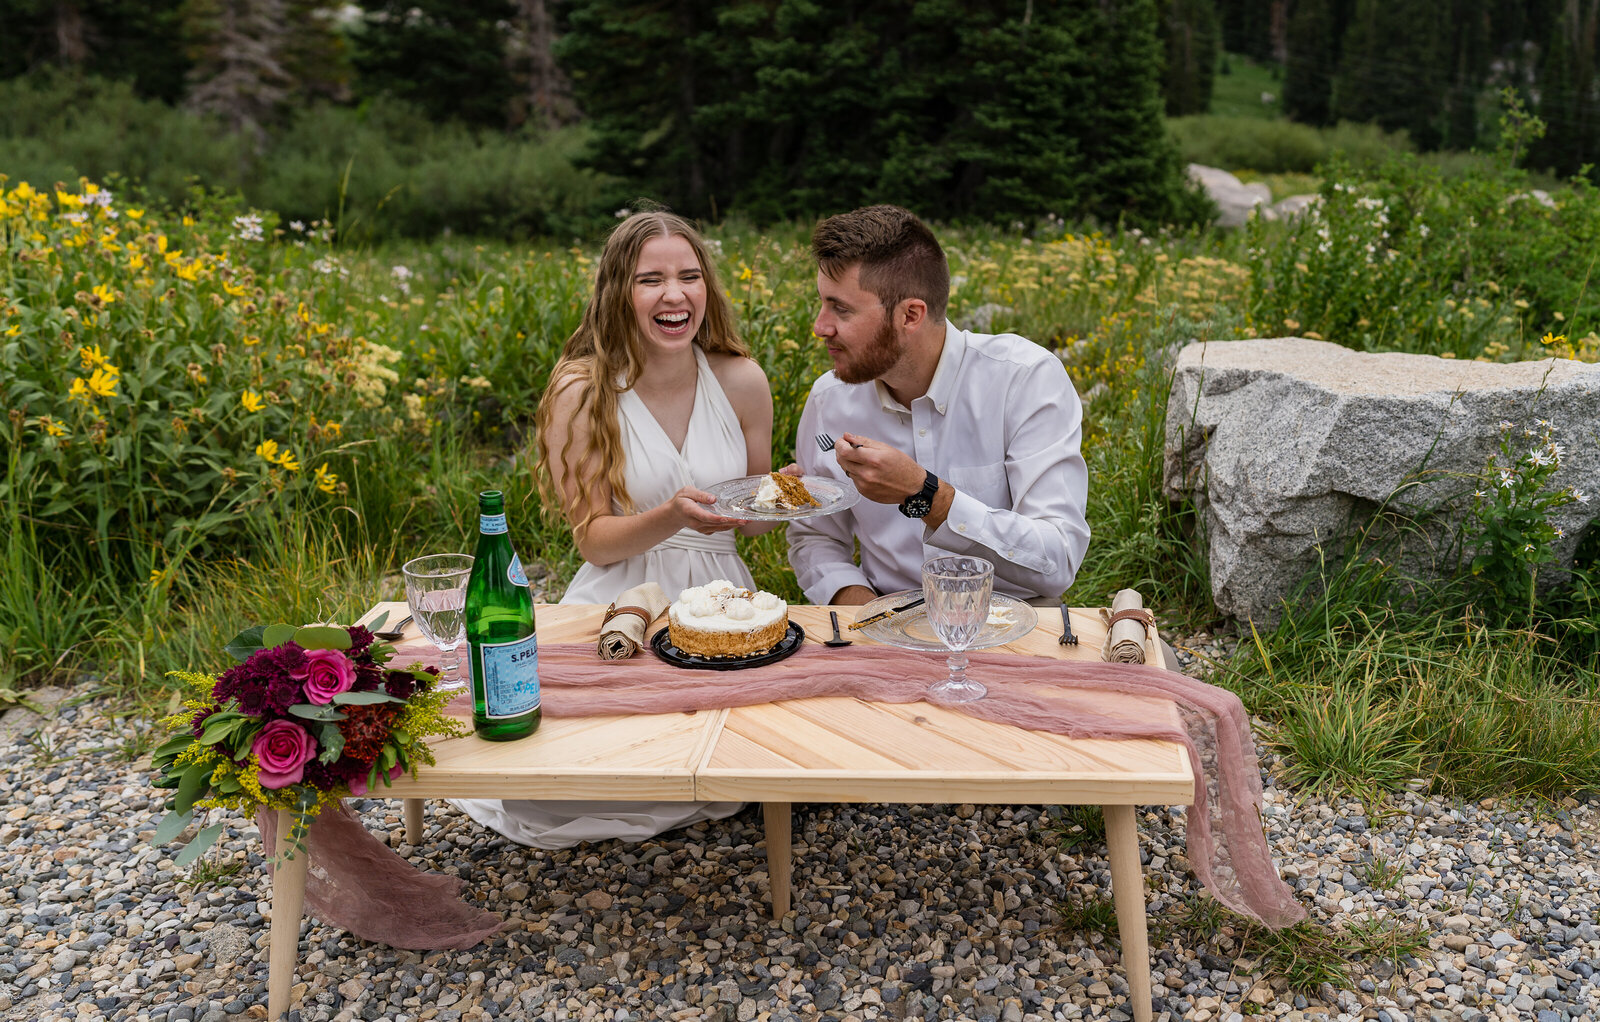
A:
x: 1001, y: 423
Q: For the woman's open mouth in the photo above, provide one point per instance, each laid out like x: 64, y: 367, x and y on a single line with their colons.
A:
x: 673, y: 322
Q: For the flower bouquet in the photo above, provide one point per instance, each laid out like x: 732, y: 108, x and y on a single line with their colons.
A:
x: 308, y: 716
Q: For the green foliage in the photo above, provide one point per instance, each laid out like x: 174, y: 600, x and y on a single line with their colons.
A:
x: 1512, y: 534
x: 1270, y: 146
x: 376, y: 172
x: 959, y: 110
x: 1568, y: 100
x: 1401, y: 259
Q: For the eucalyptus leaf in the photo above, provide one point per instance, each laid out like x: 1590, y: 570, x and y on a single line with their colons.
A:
x: 332, y: 741
x: 311, y: 711
x: 365, y: 698
x: 191, y: 786
x: 377, y: 623
x: 171, y: 826
x: 246, y: 642
x: 322, y: 637
x: 277, y: 635
x: 203, y: 840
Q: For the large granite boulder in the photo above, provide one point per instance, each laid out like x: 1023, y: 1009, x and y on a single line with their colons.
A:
x: 1235, y: 199
x: 1288, y: 444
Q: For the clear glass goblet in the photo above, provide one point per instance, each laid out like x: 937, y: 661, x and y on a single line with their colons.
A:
x: 957, y: 590
x: 436, y: 592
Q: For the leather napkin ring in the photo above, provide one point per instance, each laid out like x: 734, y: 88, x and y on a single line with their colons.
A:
x: 613, y: 610
x: 1144, y: 617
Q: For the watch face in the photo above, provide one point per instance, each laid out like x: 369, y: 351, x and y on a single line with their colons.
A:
x: 916, y: 506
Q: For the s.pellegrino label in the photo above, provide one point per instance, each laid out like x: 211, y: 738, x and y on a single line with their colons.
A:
x: 510, y: 677
x: 491, y: 525
x: 515, y: 573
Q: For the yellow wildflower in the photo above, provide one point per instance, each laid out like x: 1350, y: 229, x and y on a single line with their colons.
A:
x: 13, y: 331
x: 268, y: 449
x: 156, y: 575
x: 51, y: 427
x: 288, y: 461
x: 1551, y: 339
x: 326, y: 481
x: 188, y: 221
x: 133, y: 214
x: 79, y: 391
x: 249, y: 340
x: 90, y: 357
x: 136, y: 261
x: 251, y: 401
x: 104, y: 381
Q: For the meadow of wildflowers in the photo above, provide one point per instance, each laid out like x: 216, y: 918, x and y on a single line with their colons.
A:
x: 216, y: 417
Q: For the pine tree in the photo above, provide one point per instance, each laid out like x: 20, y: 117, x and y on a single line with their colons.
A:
x: 1315, y: 35
x: 445, y: 56
x: 543, y: 94
x: 238, y: 73
x: 140, y: 41
x: 1189, y: 36
x: 1392, y: 69
x: 1568, y: 101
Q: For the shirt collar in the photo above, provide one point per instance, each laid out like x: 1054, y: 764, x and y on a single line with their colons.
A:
x: 943, y: 383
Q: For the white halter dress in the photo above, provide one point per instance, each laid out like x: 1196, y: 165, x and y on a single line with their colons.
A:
x: 713, y: 450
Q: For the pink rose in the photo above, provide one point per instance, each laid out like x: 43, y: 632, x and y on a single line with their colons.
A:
x: 284, y: 748
x: 358, y: 786
x: 327, y: 672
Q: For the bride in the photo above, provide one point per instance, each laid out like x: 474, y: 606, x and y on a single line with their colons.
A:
x: 655, y: 397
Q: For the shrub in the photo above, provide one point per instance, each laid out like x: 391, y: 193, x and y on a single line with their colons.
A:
x: 1278, y: 146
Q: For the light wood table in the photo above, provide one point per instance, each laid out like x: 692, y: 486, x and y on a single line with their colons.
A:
x: 810, y: 750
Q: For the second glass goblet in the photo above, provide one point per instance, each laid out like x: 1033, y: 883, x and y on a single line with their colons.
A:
x: 436, y: 592
x: 957, y: 590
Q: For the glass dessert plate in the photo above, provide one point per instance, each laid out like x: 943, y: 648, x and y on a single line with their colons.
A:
x: 736, y: 498
x: 1009, y: 620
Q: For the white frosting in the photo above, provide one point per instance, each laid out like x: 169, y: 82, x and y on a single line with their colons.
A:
x: 721, y: 606
x: 999, y: 615
x: 768, y: 496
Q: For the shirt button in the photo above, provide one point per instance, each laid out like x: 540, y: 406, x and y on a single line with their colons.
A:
x: 941, y: 409
x: 922, y: 432
x: 962, y: 527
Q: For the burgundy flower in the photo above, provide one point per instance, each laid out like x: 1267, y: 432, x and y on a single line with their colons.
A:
x: 283, y: 748
x: 326, y: 673
x: 266, y: 684
x: 360, y: 639
x: 199, y: 725
x: 400, y: 684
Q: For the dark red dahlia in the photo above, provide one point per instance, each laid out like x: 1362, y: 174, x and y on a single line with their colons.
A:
x: 365, y: 729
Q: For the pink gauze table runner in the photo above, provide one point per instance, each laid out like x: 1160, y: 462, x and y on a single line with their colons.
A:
x: 358, y: 884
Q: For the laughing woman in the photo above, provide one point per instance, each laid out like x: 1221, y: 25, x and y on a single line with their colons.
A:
x: 654, y: 399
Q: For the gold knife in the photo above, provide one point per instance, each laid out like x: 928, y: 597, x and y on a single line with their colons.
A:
x: 886, y: 613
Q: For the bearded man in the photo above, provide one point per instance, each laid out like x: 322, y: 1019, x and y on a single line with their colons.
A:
x: 959, y: 442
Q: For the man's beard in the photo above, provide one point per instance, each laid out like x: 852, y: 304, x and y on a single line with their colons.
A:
x: 876, y: 360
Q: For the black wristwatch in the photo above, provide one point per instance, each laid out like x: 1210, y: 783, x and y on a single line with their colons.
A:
x: 919, y: 504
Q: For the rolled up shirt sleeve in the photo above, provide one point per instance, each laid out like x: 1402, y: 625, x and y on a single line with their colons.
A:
x: 1037, y: 543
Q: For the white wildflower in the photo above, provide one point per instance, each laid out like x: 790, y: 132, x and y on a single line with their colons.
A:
x: 1507, y: 478
x: 247, y: 227
x: 623, y: 213
x: 1505, y: 425
x: 297, y: 225
x: 1540, y: 456
x: 1579, y: 496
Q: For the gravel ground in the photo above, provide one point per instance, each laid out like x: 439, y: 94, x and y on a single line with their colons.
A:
x: 900, y: 911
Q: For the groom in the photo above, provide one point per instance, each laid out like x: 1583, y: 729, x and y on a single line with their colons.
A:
x: 959, y: 442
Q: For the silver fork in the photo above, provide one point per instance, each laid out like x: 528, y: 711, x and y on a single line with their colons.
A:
x: 825, y: 442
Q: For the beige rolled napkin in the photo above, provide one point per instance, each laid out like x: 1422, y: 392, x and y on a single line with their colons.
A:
x: 1128, y: 625
x: 622, y: 630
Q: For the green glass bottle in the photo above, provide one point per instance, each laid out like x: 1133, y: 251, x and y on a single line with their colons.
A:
x: 504, y: 650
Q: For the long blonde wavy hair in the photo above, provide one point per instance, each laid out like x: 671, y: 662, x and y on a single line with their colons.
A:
x: 605, y: 356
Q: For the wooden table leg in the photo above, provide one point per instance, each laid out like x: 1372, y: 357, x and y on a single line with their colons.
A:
x: 288, y: 907
x: 413, y: 821
x: 1127, y: 893
x: 775, y: 817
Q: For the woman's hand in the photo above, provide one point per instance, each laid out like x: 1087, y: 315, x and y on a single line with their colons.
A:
x: 690, y: 508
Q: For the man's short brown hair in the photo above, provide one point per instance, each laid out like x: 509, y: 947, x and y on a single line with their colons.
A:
x: 899, y: 257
